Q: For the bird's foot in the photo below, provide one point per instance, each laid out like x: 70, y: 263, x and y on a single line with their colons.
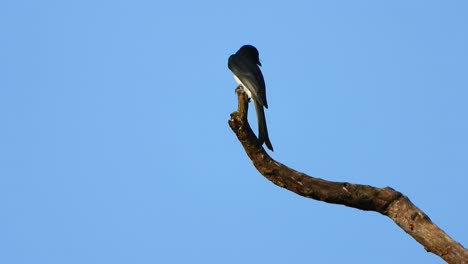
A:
x: 240, y: 88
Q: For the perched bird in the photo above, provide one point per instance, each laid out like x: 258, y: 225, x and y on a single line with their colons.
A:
x: 245, y: 67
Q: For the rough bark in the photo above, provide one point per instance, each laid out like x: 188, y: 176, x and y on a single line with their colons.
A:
x: 386, y: 201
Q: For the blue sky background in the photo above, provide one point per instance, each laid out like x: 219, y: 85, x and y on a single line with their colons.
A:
x: 115, y: 146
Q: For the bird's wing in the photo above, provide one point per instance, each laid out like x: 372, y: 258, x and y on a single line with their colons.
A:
x: 251, y: 76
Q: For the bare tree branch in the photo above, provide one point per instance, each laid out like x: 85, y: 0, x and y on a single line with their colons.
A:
x: 386, y: 200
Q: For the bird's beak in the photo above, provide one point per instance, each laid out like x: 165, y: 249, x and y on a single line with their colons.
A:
x: 259, y: 63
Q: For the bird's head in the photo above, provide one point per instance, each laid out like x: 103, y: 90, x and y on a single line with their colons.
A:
x: 251, y: 52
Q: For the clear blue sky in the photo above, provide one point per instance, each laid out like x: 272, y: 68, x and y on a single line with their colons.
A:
x: 115, y: 147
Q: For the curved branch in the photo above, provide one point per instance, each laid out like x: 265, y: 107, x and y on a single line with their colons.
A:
x: 386, y: 200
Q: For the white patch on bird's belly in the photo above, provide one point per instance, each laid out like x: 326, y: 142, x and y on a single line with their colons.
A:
x: 246, y: 90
